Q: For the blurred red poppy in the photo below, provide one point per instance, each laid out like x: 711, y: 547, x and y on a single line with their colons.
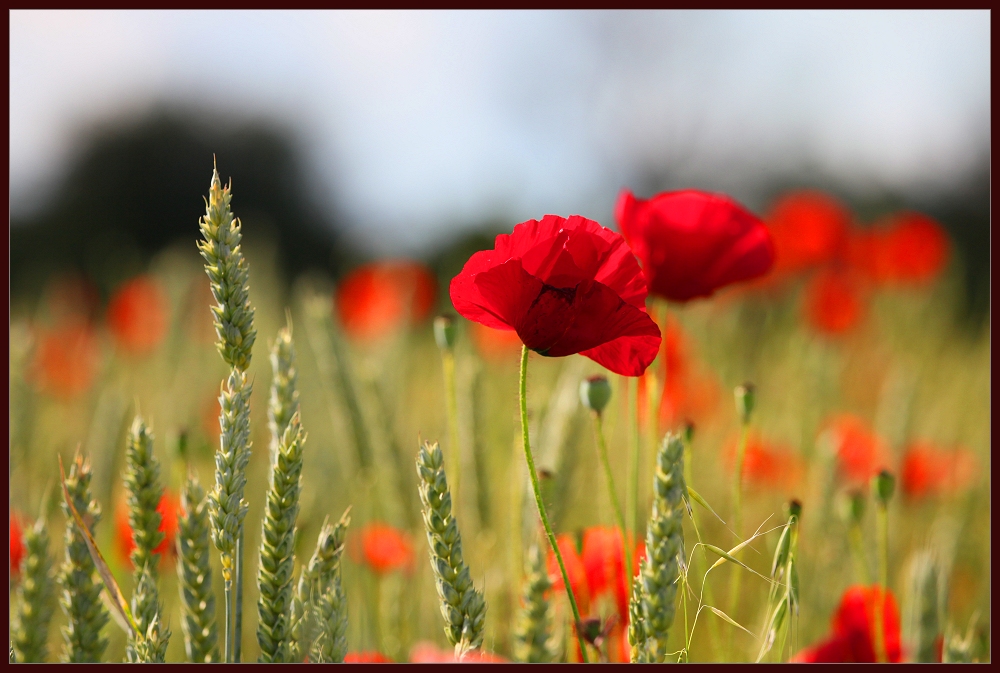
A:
x: 854, y: 636
x: 905, y: 248
x: 495, y: 345
x: 425, y: 652
x: 565, y: 285
x: 371, y: 657
x: 169, y: 509
x: 692, y: 243
x: 16, y: 544
x: 860, y: 452
x: 375, y: 299
x: 137, y: 315
x: 809, y: 228
x: 383, y: 549
x: 65, y: 359
x: 928, y: 470
x: 766, y: 465
x: 574, y: 569
x: 690, y: 394
x: 834, y: 300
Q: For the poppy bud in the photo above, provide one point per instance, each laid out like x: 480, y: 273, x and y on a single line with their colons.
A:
x: 852, y: 507
x: 688, y: 432
x: 745, y: 400
x: 595, y: 393
x: 883, y: 485
x: 794, y: 508
x: 444, y: 332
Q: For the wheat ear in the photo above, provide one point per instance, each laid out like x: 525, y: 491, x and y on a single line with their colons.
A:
x: 533, y: 630
x: 194, y: 574
x: 30, y: 629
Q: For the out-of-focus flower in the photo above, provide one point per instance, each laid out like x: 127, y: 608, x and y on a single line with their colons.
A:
x: 692, y: 243
x: 834, y: 300
x: 375, y: 299
x: 426, y: 652
x: 766, y: 465
x: 16, y: 544
x: 169, y: 509
x: 137, y: 315
x: 905, y: 248
x: 65, y: 359
x: 383, y: 548
x: 853, y: 635
x: 371, y: 657
x: 809, y: 227
x: 928, y: 470
x: 495, y: 345
x: 574, y: 569
x: 565, y: 285
x: 860, y: 452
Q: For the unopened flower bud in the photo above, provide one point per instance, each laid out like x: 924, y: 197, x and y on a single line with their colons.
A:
x: 852, y: 507
x: 595, y: 392
x: 883, y: 485
x: 444, y: 332
x: 794, y: 508
x: 745, y: 400
x: 688, y: 432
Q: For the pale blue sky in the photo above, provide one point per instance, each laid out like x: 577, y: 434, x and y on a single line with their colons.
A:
x: 414, y: 122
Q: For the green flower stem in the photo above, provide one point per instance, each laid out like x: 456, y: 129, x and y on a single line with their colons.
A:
x: 632, y: 485
x: 533, y: 474
x: 451, y: 397
x: 882, y: 527
x: 229, y: 621
x: 858, y: 552
x: 735, y: 579
x: 602, y: 449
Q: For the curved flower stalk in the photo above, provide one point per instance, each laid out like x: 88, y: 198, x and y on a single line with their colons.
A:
x: 194, y: 574
x: 30, y: 628
x: 462, y: 606
x: 277, y: 557
x: 315, y: 579
x: 81, y: 591
x: 533, y: 632
x: 659, y: 571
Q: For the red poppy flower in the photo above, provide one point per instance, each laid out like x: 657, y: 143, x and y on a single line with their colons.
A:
x: 574, y: 569
x: 928, y: 471
x: 137, y: 315
x: 854, y: 636
x: 765, y: 464
x: 603, y: 559
x: 169, y: 509
x: 16, y: 544
x: 377, y: 298
x: 495, y: 345
x: 692, y: 243
x: 905, y: 248
x: 834, y: 301
x: 809, y: 228
x: 384, y: 549
x: 564, y: 286
x: 860, y: 452
x: 65, y: 359
x: 366, y: 658
x: 425, y: 652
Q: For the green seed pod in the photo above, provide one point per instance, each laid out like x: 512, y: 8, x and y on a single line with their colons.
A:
x: 595, y: 392
x: 445, y: 331
x: 746, y: 400
x: 883, y: 486
x: 851, y: 506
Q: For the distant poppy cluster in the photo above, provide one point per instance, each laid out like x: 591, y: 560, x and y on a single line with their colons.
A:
x: 815, y: 234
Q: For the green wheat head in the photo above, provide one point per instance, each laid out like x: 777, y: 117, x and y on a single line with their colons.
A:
x: 533, y: 630
x: 81, y: 588
x: 142, y: 484
x: 284, y: 401
x: 194, y: 574
x: 229, y: 276
x: 924, y: 616
x: 462, y: 606
x: 322, y: 571
x: 638, y: 654
x: 30, y: 628
x: 277, y: 558
x: 226, y: 505
x: 659, y: 571
x: 330, y: 646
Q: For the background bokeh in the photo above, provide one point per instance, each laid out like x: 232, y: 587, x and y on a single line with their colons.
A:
x: 418, y: 136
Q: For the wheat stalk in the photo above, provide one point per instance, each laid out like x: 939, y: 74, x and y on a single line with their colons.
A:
x: 81, y: 591
x: 30, y: 628
x: 194, y: 573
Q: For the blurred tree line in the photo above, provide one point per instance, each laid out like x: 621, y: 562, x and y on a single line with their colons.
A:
x: 131, y: 192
